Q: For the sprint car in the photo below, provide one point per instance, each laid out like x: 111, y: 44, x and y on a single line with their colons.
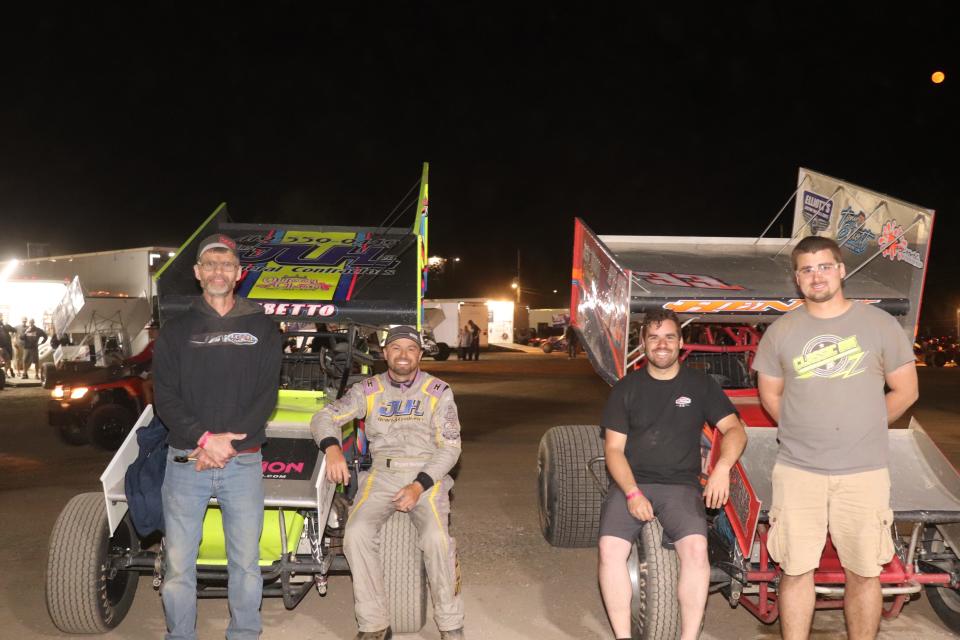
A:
x: 358, y: 279
x: 729, y: 289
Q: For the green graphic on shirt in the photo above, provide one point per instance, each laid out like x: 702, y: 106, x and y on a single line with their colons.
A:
x: 829, y: 356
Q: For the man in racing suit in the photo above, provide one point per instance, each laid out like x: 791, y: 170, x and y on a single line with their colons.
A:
x: 414, y: 435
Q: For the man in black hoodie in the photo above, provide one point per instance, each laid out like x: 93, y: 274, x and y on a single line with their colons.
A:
x: 216, y: 371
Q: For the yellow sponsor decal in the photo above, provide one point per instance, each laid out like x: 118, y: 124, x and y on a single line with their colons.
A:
x: 303, y: 282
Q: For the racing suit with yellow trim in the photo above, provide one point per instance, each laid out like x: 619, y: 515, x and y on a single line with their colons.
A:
x: 414, y: 435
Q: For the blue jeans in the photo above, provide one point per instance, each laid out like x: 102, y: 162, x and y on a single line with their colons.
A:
x: 238, y: 488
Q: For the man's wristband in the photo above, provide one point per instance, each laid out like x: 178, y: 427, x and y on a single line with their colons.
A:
x: 425, y: 480
x: 326, y: 442
x: 636, y: 493
x: 203, y: 439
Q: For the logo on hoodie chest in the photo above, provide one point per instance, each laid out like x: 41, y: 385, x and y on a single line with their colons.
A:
x: 400, y: 409
x: 241, y: 338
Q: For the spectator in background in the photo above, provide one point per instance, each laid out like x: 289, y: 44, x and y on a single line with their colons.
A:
x: 7, y: 335
x: 474, y: 340
x: 31, y: 339
x: 573, y: 342
x: 20, y: 330
x: 464, y: 337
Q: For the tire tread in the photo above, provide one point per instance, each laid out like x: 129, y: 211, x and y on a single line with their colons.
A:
x: 404, y: 575
x: 576, y: 499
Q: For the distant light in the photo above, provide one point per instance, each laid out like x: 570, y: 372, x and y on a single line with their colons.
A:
x: 513, y: 285
x: 8, y: 270
x: 456, y: 259
x: 171, y: 254
x: 938, y: 77
x: 554, y: 290
x: 435, y: 261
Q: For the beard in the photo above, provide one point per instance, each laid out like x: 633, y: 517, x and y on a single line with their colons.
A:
x: 820, y: 296
x: 214, y: 287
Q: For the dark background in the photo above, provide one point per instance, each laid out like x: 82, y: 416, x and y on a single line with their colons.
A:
x: 124, y: 126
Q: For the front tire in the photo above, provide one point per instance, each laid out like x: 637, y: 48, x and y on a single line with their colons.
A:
x: 569, y: 497
x: 443, y: 351
x: 946, y: 604
x: 82, y: 596
x: 654, y: 573
x: 404, y: 574
x: 108, y: 425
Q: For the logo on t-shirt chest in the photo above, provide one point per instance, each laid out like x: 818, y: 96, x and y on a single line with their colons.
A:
x: 830, y: 356
x: 683, y: 402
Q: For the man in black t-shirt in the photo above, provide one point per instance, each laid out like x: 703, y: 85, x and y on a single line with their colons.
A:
x: 652, y: 424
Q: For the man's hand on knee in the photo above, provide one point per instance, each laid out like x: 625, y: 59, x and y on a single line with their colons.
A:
x: 337, y: 469
x: 639, y: 507
x: 406, y: 498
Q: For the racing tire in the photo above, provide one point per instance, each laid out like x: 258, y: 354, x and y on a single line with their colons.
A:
x: 443, y: 351
x: 568, y: 495
x: 654, y: 573
x: 404, y: 574
x: 946, y: 604
x: 73, y: 433
x: 547, y: 347
x: 81, y: 595
x: 108, y: 425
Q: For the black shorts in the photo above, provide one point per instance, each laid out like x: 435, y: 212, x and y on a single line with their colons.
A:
x: 678, y: 507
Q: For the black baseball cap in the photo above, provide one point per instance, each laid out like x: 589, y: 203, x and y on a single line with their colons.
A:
x: 217, y: 241
x: 403, y: 331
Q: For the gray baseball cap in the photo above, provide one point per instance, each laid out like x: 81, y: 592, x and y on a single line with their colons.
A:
x: 217, y: 241
x: 403, y: 331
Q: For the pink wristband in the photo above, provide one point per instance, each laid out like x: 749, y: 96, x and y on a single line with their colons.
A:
x: 636, y: 493
x: 203, y: 439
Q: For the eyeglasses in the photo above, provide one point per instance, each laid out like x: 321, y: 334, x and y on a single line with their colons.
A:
x: 824, y: 268
x: 221, y: 266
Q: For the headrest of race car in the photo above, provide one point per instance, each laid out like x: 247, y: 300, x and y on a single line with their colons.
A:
x: 217, y: 241
x: 403, y: 331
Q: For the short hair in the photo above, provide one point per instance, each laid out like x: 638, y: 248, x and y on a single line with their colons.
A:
x: 658, y: 317
x: 813, y: 244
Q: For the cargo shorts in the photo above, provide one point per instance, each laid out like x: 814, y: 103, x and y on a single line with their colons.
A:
x: 854, y: 508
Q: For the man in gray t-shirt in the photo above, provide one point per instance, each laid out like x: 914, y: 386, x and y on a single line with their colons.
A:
x: 822, y: 370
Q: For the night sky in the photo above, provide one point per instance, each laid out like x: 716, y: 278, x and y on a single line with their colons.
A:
x: 124, y: 126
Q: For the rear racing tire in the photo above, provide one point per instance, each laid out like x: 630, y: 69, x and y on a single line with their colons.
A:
x: 73, y: 433
x: 547, y: 347
x: 568, y: 495
x: 654, y: 572
x: 404, y: 574
x: 82, y: 597
x: 443, y: 351
x: 946, y: 604
x: 108, y: 425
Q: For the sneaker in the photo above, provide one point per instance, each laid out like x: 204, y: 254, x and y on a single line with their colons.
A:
x: 453, y: 634
x: 383, y: 634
